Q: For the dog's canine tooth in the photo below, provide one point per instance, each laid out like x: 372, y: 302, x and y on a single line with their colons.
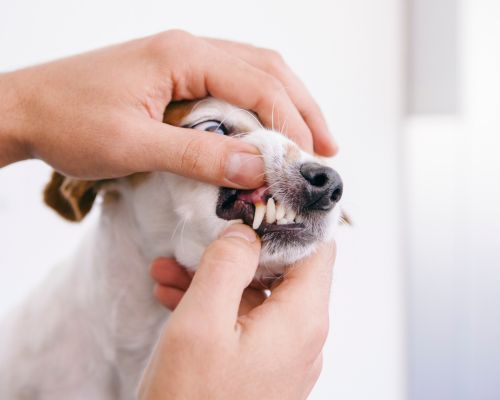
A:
x: 271, y: 211
x: 260, y: 212
x: 282, y: 221
x: 280, y: 211
x: 290, y: 214
x: 299, y: 219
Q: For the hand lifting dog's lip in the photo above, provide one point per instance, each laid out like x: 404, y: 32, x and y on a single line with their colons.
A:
x: 293, y: 212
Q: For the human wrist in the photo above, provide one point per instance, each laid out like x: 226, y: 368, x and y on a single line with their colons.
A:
x: 14, y: 140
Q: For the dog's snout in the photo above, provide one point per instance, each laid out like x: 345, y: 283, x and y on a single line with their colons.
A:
x: 323, y: 187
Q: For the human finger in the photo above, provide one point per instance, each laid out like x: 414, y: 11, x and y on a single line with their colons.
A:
x: 271, y: 62
x: 167, y: 272
x: 226, y: 269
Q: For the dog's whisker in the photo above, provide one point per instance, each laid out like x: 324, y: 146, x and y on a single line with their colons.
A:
x: 253, y: 116
x: 272, y: 111
x: 175, y: 229
x: 239, y: 110
x: 199, y: 103
x: 282, y: 131
x: 182, y: 233
x: 275, y: 99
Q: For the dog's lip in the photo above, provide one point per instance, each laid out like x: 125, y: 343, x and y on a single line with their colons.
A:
x: 255, y: 195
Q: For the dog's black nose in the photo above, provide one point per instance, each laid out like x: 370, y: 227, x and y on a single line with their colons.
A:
x: 323, y: 188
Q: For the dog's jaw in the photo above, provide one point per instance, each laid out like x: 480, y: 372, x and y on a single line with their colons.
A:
x: 182, y: 216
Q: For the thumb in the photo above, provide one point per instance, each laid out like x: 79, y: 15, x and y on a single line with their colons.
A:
x: 204, y: 156
x: 225, y: 270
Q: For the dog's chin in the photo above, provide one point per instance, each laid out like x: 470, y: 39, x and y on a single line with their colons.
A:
x: 272, y: 267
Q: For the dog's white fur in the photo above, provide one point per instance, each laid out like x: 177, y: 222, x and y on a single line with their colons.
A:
x: 88, y: 330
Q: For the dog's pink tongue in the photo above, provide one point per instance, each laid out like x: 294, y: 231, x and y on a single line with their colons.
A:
x: 253, y: 196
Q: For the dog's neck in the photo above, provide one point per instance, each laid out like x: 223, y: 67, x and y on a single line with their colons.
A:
x: 114, y: 251
x: 116, y: 287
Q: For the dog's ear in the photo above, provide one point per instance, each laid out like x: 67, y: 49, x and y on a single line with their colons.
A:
x: 345, y: 219
x: 70, y: 198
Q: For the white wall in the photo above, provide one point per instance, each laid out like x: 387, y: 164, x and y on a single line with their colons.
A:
x: 454, y: 196
x: 348, y: 53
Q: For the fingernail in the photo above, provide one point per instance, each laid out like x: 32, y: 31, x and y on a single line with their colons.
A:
x: 245, y: 169
x: 240, y: 231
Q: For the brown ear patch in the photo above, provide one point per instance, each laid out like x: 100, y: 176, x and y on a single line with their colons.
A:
x: 70, y: 198
x: 138, y: 178
x: 176, y: 111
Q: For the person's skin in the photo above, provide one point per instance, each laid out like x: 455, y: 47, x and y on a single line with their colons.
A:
x: 98, y: 115
x: 226, y: 341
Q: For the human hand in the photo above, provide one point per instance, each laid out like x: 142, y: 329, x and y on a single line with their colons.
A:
x: 172, y: 280
x: 211, y: 348
x: 99, y: 114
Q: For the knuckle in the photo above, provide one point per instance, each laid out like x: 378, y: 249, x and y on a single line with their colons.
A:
x: 275, y: 64
x: 273, y: 58
x: 174, y: 35
x: 273, y: 85
x: 177, y: 33
x: 162, y: 42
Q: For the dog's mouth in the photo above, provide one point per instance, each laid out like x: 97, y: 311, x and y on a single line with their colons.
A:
x: 259, y: 210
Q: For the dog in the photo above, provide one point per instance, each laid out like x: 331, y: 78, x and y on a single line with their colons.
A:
x: 87, y: 332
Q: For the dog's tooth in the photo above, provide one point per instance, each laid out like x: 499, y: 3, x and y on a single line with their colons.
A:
x: 271, y: 211
x: 260, y: 212
x: 282, y: 221
x: 290, y: 215
x: 280, y: 211
x: 299, y: 219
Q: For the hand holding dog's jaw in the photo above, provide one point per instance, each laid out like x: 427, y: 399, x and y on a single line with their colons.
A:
x: 270, y: 349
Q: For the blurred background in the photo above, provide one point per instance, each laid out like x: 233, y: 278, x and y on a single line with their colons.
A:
x: 411, y: 90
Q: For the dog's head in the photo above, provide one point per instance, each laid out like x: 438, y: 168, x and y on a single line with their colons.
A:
x: 172, y: 215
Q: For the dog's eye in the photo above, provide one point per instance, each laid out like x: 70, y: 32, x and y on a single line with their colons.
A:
x: 211, y: 126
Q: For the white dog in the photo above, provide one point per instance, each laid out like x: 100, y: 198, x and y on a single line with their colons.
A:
x: 87, y: 332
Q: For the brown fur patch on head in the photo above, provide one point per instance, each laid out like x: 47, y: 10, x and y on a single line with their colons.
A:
x: 70, y: 198
x: 138, y: 178
x: 175, y: 112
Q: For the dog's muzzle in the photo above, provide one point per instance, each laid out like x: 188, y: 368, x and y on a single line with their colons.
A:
x: 313, y: 192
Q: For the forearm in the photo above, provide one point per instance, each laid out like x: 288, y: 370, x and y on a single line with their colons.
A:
x: 13, y: 136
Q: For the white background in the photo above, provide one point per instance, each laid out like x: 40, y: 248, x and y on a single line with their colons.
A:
x: 453, y: 207
x: 399, y: 298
